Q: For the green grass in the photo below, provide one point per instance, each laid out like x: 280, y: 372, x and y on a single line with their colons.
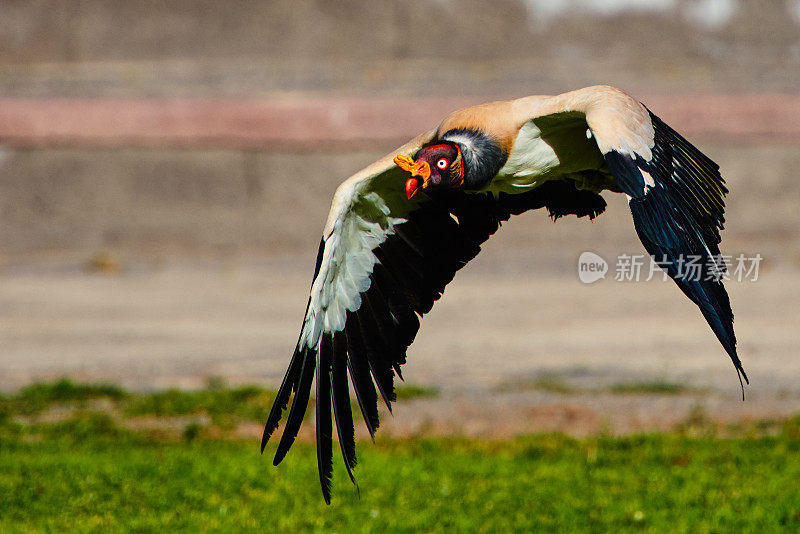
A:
x: 36, y: 397
x: 91, y: 471
x: 86, y: 474
x: 223, y: 405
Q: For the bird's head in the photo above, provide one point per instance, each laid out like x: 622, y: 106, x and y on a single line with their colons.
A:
x: 438, y: 166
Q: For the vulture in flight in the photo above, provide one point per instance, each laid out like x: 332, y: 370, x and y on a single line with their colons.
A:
x: 399, y: 230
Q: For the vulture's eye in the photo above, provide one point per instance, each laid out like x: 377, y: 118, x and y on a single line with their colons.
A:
x: 442, y: 163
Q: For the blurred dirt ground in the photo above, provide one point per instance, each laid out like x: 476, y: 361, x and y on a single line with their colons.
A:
x: 517, y: 344
x: 159, y: 263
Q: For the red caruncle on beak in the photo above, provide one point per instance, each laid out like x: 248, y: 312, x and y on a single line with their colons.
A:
x: 412, y: 186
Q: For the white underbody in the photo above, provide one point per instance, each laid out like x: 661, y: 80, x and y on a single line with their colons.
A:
x: 536, y: 158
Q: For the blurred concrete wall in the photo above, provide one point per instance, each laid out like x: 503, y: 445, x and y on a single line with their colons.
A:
x: 147, y: 205
x: 159, y: 201
x: 151, y: 202
x: 96, y: 47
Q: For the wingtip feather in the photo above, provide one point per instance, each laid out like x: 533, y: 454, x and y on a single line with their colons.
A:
x: 288, y: 385
x: 323, y: 418
x: 299, y: 405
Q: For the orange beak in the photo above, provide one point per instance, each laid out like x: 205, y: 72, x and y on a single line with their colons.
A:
x: 421, y: 169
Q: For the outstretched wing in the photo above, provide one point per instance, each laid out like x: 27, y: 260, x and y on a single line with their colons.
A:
x: 676, y: 195
x: 382, y: 263
x: 677, y: 201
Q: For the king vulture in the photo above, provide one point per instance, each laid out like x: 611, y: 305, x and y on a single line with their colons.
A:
x: 398, y: 231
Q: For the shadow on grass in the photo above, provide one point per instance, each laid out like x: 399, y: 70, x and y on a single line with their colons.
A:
x: 548, y: 382
x: 559, y: 384
x: 654, y: 388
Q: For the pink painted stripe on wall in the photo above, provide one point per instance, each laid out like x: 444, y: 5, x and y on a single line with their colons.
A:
x: 313, y: 122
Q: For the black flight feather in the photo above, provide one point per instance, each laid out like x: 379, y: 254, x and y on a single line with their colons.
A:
x: 343, y: 415
x: 324, y: 426
x: 299, y: 404
x: 359, y: 371
x: 292, y: 377
x: 282, y: 398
